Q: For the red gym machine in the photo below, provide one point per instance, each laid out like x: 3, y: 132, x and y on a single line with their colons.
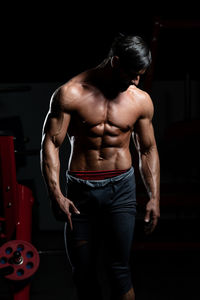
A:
x: 19, y: 259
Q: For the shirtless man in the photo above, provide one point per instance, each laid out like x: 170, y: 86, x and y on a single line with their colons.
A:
x: 100, y: 110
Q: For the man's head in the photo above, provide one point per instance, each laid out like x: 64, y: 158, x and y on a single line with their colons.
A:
x: 133, y: 53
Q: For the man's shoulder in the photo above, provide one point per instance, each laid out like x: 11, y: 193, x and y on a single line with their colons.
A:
x: 143, y: 99
x: 70, y: 93
x: 139, y: 93
x: 73, y: 89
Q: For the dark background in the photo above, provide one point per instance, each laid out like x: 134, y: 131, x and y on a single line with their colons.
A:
x: 50, y: 43
x: 41, y: 47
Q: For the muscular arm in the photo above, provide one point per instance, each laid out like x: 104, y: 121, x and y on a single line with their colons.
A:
x: 149, y: 164
x: 54, y: 131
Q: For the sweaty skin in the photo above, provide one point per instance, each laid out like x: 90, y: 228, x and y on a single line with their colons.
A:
x: 100, y: 110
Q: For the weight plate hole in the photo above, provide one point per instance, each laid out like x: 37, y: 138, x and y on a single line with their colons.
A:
x: 20, y: 272
x: 9, y: 250
x: 29, y: 254
x: 20, y: 247
x: 3, y: 260
x: 29, y: 265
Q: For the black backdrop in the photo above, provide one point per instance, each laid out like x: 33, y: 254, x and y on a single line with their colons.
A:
x: 54, y: 41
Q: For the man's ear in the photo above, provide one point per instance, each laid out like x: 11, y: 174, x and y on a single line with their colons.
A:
x: 136, y: 80
x: 114, y: 61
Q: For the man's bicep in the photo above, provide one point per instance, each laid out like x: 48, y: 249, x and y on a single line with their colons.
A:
x: 143, y: 129
x: 56, y: 123
x: 56, y: 127
x: 144, y: 134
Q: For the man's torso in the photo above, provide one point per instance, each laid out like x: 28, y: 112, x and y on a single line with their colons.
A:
x: 102, y: 127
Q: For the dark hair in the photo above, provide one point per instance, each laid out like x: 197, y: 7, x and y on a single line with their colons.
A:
x: 132, y: 51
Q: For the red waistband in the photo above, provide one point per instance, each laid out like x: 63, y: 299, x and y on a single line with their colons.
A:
x: 96, y: 175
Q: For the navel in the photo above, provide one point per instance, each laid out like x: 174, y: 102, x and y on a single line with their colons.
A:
x: 100, y: 158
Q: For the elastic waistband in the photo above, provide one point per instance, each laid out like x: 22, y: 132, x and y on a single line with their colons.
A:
x: 101, y: 182
x: 96, y: 175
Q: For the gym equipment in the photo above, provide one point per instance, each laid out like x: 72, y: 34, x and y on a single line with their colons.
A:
x: 18, y: 259
x: 15, y: 224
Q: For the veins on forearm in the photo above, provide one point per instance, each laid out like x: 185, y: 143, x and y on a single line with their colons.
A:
x: 50, y: 170
x: 148, y: 171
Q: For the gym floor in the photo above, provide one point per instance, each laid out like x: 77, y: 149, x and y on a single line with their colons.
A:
x: 157, y: 274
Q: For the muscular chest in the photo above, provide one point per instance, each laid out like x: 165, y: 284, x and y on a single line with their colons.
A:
x: 99, y: 116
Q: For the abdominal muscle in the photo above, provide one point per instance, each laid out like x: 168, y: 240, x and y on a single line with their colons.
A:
x: 87, y: 156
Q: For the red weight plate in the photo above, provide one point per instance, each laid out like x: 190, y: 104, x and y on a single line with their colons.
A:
x: 25, y: 265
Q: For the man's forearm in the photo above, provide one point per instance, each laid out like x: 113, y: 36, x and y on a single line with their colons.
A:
x: 150, y: 172
x: 50, y: 166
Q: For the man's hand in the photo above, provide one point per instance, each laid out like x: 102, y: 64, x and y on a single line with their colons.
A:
x: 152, y: 215
x: 68, y: 208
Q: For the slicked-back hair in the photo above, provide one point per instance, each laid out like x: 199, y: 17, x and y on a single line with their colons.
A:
x: 132, y: 51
